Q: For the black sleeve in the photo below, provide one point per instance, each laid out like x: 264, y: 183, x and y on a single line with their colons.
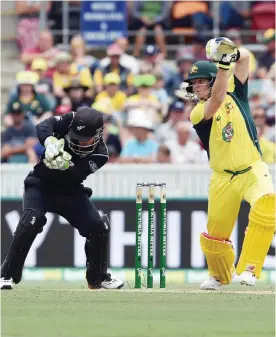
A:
x: 57, y: 126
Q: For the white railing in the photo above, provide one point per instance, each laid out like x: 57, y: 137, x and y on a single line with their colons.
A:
x: 119, y: 181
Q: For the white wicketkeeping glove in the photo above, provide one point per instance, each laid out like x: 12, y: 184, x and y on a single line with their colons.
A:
x: 61, y: 162
x: 223, y: 51
x: 54, y: 147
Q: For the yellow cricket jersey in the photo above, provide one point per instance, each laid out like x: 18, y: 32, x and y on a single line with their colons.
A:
x: 269, y: 150
x: 230, y: 136
x: 64, y: 80
x: 117, y: 101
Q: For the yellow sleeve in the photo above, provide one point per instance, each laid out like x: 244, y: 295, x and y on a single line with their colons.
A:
x: 269, y: 151
x: 98, y: 77
x: 121, y: 100
x: 130, y: 80
x: 57, y: 82
x: 197, y: 113
x: 86, y: 78
x: 252, y: 62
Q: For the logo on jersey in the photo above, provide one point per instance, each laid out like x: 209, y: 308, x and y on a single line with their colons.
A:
x: 193, y: 70
x: 93, y: 166
x: 228, y: 132
x: 80, y: 127
x: 229, y: 107
x: 58, y: 118
x: 218, y: 118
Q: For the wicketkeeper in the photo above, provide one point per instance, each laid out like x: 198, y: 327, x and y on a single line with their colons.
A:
x: 74, y: 149
x: 223, y: 121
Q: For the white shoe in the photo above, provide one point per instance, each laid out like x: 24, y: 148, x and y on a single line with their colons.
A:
x: 6, y: 284
x: 112, y: 283
x: 247, y: 278
x: 210, y: 284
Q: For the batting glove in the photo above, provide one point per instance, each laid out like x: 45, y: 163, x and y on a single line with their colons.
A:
x: 54, y: 147
x: 223, y: 51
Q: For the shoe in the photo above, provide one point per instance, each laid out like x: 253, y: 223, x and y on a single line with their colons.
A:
x: 6, y: 283
x: 107, y: 283
x: 112, y: 283
x: 247, y: 278
x: 210, y: 284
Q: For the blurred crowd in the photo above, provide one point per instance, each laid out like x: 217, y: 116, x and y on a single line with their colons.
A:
x: 146, y: 115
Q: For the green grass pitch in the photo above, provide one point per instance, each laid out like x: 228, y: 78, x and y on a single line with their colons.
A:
x: 68, y: 309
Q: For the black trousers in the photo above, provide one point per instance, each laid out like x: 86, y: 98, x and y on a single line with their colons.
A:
x: 72, y: 204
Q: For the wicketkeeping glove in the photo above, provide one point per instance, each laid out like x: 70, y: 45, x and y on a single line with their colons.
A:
x: 223, y: 51
x: 54, y: 147
x: 60, y: 162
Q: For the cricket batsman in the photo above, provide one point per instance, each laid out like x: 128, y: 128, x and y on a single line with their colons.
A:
x: 224, y: 123
x: 74, y: 149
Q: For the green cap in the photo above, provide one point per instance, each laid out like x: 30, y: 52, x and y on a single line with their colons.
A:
x: 202, y: 69
x: 145, y: 80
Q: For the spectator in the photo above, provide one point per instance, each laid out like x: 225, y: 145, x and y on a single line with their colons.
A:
x: 79, y: 55
x: 126, y: 60
x: 153, y: 15
x: 34, y: 105
x: 153, y: 62
x: 184, y: 150
x: 199, y: 48
x: 45, y: 49
x: 268, y: 148
x: 18, y: 140
x: 111, y: 137
x: 114, y: 53
x: 160, y: 93
x: 76, y: 93
x: 163, y: 155
x: 167, y: 131
x: 268, y: 57
x: 44, y: 85
x: 65, y: 72
x: 112, y: 95
x: 140, y: 149
x: 193, y: 14
x: 144, y: 100
x: 184, y: 63
x: 28, y: 25
x: 234, y: 13
x: 264, y: 130
x: 235, y: 36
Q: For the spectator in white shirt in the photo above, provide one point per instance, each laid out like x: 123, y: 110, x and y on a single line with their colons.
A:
x: 183, y: 150
x: 126, y: 60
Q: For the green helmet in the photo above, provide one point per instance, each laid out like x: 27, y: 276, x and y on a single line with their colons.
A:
x: 201, y: 69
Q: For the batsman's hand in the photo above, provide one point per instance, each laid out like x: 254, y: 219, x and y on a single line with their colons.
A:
x: 54, y: 147
x: 61, y: 162
x: 223, y: 51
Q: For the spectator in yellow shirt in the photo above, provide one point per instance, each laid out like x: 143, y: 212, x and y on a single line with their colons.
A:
x: 112, y: 95
x: 114, y: 53
x: 66, y: 71
x: 144, y: 99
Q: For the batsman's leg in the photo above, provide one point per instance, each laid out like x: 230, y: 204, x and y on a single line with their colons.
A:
x: 223, y: 208
x: 261, y: 227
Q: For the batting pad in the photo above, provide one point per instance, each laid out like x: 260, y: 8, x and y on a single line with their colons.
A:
x: 220, y: 257
x: 258, y: 236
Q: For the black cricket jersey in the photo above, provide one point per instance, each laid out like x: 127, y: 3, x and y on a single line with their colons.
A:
x: 80, y: 166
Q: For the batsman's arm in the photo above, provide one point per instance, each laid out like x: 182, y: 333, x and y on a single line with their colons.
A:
x: 57, y: 125
x: 241, y: 70
x: 218, y: 94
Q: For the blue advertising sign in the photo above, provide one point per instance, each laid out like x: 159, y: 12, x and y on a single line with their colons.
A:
x: 103, y: 21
